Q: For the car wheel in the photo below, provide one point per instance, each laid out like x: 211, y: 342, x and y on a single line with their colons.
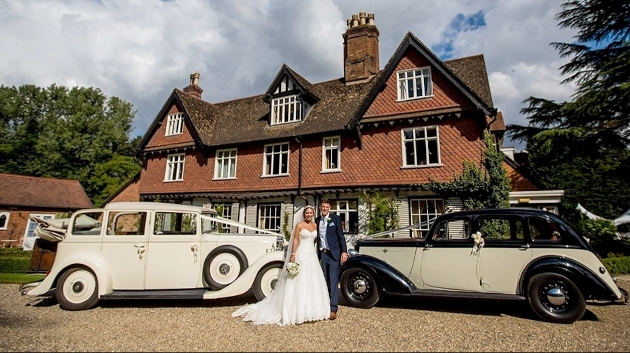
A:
x: 555, y: 298
x: 77, y: 289
x: 223, y: 266
x: 359, y: 288
x: 266, y: 280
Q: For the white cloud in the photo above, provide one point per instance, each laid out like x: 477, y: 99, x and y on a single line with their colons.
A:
x: 140, y: 50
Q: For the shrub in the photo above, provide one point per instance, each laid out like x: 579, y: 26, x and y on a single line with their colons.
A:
x: 603, y: 237
x: 617, y: 265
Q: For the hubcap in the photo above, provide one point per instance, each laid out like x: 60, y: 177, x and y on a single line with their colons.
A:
x: 556, y: 296
x: 359, y: 286
x: 77, y: 287
x: 224, y: 269
x: 273, y: 284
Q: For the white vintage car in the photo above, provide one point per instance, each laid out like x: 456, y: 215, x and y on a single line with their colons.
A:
x: 142, y: 250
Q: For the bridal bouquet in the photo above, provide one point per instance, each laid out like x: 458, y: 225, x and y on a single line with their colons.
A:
x: 293, y: 268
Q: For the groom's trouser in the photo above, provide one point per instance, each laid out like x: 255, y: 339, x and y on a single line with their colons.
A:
x: 330, y: 267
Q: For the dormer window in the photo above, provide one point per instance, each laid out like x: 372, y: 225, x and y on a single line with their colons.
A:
x: 175, y: 124
x: 415, y: 83
x: 286, y: 110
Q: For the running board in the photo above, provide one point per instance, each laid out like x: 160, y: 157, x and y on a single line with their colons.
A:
x: 155, y: 294
x: 463, y: 295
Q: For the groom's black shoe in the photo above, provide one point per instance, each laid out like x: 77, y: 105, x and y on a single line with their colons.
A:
x: 333, y: 315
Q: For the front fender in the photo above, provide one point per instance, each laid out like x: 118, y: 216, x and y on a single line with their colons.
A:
x: 91, y: 261
x: 591, y: 285
x: 245, y: 281
x: 390, y: 279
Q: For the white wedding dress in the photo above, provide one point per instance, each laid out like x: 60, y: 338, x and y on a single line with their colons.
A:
x: 297, y: 298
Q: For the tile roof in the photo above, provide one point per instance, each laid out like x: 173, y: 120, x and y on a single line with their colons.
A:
x: 339, y: 106
x: 27, y: 191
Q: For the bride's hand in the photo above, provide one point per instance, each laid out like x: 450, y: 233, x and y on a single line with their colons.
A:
x: 292, y: 258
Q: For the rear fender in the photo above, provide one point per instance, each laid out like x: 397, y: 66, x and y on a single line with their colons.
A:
x: 588, y: 282
x: 92, y: 262
x: 390, y: 279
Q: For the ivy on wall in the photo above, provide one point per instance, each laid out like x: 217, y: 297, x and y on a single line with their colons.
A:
x: 478, y: 186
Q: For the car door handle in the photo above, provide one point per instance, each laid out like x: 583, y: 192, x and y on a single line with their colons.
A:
x: 140, y: 250
x: 524, y: 247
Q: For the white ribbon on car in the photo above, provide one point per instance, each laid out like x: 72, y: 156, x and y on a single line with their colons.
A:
x: 476, y: 251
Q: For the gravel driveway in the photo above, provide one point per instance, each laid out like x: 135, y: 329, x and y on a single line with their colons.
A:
x: 35, y: 324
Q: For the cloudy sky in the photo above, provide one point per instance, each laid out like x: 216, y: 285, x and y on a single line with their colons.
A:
x: 139, y: 50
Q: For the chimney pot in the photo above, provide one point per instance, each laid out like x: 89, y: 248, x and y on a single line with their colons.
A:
x: 193, y: 89
x: 362, y: 18
x: 348, y: 23
x: 355, y: 20
x: 370, y: 17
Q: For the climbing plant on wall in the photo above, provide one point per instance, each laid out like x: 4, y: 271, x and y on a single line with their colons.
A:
x: 478, y: 186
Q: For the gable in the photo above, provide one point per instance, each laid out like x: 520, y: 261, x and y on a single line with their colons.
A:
x: 445, y: 94
x: 159, y: 138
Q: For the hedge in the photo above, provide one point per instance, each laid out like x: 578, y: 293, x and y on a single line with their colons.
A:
x: 617, y: 265
x: 14, y: 264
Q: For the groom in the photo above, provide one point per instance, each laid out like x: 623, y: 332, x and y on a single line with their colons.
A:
x: 331, y: 248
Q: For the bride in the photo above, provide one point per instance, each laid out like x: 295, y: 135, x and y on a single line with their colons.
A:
x: 296, y: 298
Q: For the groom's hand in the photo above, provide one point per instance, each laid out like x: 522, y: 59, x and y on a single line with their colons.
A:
x: 344, y: 257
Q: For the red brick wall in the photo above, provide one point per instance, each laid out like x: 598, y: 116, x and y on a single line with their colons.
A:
x: 445, y: 95
x: 518, y: 182
x: 158, y: 138
x: 130, y: 193
x: 378, y: 163
x: 18, y: 221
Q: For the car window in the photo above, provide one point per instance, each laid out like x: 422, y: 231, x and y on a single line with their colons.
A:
x: 126, y: 223
x: 542, y: 230
x: 501, y: 228
x: 454, y: 229
x: 175, y: 223
x: 87, y: 224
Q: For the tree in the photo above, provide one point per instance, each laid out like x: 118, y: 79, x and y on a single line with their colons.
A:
x: 63, y: 133
x: 581, y: 145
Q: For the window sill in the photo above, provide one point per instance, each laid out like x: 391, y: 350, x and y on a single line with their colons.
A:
x: 413, y: 99
x: 177, y: 134
x: 421, y: 166
x: 275, y: 176
x: 173, y: 181
x: 218, y: 179
x: 326, y: 171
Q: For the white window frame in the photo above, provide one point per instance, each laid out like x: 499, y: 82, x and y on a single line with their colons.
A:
x: 174, y: 124
x: 7, y: 215
x: 175, y: 167
x: 34, y: 224
x: 343, y: 208
x: 287, y: 109
x: 271, y: 212
x: 421, y: 80
x: 331, y: 146
x: 426, y: 140
x: 273, y: 157
x: 428, y: 215
x: 225, y: 162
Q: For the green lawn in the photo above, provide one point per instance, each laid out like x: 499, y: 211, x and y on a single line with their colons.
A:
x: 19, y: 278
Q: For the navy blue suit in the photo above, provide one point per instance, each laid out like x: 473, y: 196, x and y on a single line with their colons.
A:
x: 330, y: 261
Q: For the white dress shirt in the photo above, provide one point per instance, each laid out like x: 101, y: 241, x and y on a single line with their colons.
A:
x: 322, y: 233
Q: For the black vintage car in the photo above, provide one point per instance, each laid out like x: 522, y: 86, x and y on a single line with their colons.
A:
x: 510, y: 253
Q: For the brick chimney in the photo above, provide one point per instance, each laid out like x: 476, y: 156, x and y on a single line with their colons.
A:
x: 360, y: 48
x: 193, y: 89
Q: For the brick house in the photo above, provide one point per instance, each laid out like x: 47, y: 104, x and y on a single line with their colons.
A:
x: 375, y: 130
x: 23, y: 196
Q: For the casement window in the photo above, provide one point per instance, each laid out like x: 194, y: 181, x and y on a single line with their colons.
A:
x: 415, y: 83
x: 348, y: 211
x: 276, y: 159
x: 269, y: 217
x: 175, y: 167
x: 223, y: 210
x: 421, y: 146
x: 286, y: 110
x: 225, y: 164
x: 331, y: 154
x: 175, y: 124
x: 424, y: 211
x: 4, y: 220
